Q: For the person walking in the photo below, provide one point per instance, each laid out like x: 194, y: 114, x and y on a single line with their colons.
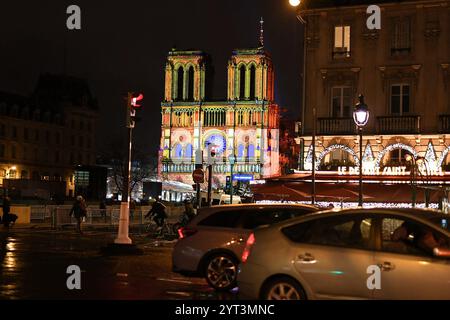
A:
x: 6, y: 210
x: 79, y: 212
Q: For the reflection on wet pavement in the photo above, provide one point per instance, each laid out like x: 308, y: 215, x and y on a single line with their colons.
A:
x: 33, y: 265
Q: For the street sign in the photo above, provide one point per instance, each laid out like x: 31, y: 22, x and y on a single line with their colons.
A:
x: 243, y: 177
x: 198, y: 175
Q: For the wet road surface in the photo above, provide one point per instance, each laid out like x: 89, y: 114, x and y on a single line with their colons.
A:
x: 33, y: 265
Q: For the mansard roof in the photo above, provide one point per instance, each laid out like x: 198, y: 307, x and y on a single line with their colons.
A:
x: 52, y: 90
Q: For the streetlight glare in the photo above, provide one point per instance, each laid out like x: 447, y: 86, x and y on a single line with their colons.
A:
x: 361, y: 117
x: 294, y: 3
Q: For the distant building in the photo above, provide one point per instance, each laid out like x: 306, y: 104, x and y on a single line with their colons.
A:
x: 43, y: 136
x: 245, y: 124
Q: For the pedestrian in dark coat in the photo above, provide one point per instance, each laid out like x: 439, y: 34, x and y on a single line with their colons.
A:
x: 6, y: 210
x: 79, y: 211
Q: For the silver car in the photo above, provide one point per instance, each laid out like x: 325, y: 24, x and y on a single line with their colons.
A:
x: 211, y: 245
x: 350, y: 254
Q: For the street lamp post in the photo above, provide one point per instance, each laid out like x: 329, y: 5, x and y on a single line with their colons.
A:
x: 361, y: 117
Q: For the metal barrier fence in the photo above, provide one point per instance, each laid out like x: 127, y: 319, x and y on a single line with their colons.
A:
x: 58, y: 216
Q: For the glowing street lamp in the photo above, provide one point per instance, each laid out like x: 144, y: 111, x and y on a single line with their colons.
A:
x: 294, y: 3
x: 361, y: 117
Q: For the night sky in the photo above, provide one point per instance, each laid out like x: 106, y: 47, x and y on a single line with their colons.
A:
x: 123, y: 45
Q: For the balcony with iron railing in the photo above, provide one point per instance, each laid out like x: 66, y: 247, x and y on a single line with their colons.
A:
x: 398, y: 124
x: 444, y: 123
x: 332, y: 126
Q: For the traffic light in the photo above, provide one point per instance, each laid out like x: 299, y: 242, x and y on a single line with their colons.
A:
x: 132, y: 104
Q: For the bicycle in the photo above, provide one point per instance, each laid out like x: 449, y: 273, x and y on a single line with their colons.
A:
x: 165, y: 231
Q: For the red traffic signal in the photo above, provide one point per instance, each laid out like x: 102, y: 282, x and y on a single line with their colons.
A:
x: 136, y: 99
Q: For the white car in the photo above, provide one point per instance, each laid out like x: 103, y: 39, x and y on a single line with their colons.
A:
x: 350, y: 254
x: 212, y: 243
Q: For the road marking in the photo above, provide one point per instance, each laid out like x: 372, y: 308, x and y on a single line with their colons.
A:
x: 184, y: 294
x: 174, y: 280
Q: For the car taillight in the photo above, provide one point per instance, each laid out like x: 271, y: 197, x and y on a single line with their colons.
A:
x: 248, y: 247
x: 185, y: 232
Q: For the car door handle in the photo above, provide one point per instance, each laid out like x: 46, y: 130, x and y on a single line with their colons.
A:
x: 306, y: 258
x: 386, y: 266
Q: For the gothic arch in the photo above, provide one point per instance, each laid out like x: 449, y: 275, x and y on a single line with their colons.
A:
x: 335, y: 147
x: 391, y: 147
x: 178, y: 83
x: 241, y: 75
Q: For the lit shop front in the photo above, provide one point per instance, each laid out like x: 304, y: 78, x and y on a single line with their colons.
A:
x: 394, y: 175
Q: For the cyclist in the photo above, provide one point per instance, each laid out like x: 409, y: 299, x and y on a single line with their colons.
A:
x: 158, y: 213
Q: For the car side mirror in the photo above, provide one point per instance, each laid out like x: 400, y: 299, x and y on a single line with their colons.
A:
x: 441, y: 252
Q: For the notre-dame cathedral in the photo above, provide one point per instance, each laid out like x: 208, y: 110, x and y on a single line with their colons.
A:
x: 244, y: 126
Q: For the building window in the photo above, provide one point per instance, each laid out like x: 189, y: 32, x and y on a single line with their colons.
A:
x: 180, y: 80
x: 36, y: 135
x: 57, y: 138
x: 397, y: 157
x: 242, y: 82
x: 72, y: 158
x: 13, y: 152
x: 178, y: 151
x: 89, y: 143
x: 36, y: 155
x: 89, y: 126
x: 56, y: 156
x: 25, y: 153
x: 73, y: 124
x: 2, y: 130
x: 81, y: 125
x: 82, y: 178
x: 2, y: 150
x: 341, y: 102
x: 47, y: 137
x: 341, y: 48
x: 400, y: 99
x: 401, y: 36
x: 72, y: 141
x: 80, y: 142
x: 25, y: 134
x: 12, y: 174
x: 252, y: 82
x: 191, y: 84
x: 14, y: 132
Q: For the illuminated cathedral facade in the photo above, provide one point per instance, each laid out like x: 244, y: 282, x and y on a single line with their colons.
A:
x: 243, y: 127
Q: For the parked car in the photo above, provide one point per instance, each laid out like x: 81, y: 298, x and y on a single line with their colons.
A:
x: 332, y: 254
x: 212, y: 243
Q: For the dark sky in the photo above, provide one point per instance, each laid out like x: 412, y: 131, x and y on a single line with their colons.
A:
x: 123, y: 44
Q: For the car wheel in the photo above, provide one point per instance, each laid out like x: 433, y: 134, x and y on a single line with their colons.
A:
x: 221, y: 272
x: 283, y: 289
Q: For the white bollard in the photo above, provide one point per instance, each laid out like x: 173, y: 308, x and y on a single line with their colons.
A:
x: 122, y: 236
